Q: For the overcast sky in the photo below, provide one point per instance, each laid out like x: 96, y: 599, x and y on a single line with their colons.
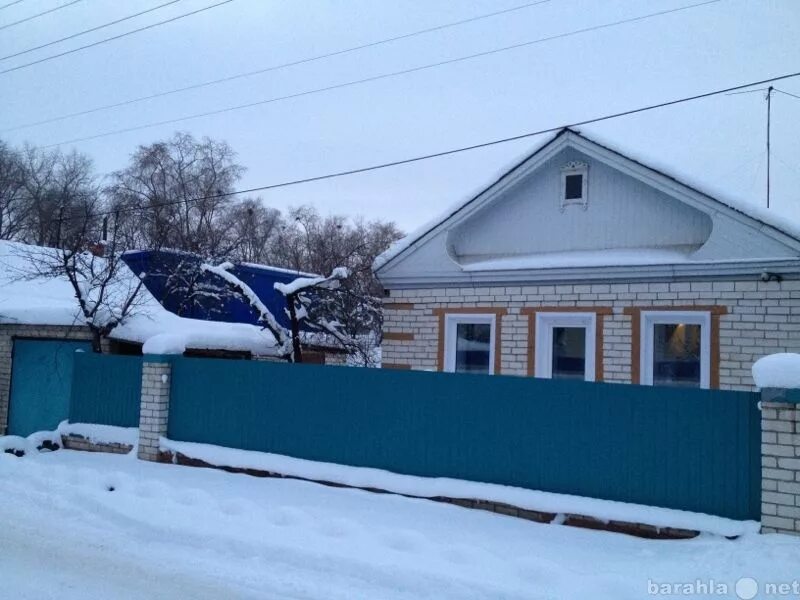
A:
x: 717, y: 144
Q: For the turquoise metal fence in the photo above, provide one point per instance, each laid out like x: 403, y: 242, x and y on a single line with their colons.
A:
x: 106, y: 389
x: 41, y: 377
x: 688, y: 449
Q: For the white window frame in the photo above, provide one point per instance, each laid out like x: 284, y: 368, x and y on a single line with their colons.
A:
x: 545, y: 322
x: 673, y: 317
x: 575, y: 168
x: 452, y: 321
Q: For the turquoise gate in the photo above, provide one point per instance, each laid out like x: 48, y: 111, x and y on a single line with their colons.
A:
x: 687, y: 449
x: 41, y: 378
x: 106, y: 389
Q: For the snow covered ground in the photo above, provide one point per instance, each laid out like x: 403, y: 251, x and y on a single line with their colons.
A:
x: 81, y: 525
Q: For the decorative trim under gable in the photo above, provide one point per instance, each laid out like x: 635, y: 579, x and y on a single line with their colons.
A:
x: 635, y: 312
x: 599, y: 311
x: 478, y: 310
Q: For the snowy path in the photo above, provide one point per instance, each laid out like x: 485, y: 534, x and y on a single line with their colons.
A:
x: 176, y: 532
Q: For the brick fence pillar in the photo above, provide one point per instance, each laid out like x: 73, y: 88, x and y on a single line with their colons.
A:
x: 780, y: 462
x: 154, y: 407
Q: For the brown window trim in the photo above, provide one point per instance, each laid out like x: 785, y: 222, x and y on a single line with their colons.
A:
x: 396, y: 366
x: 398, y: 306
x: 398, y: 336
x: 635, y: 312
x: 499, y: 313
x: 599, y: 311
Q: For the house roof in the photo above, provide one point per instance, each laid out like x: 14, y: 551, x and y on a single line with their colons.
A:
x: 30, y: 300
x: 771, y: 224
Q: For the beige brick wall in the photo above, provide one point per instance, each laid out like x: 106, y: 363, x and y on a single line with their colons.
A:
x: 780, y: 468
x: 7, y: 335
x: 762, y: 318
x: 154, y: 408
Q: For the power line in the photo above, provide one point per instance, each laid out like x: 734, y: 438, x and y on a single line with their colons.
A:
x: 85, y: 31
x: 10, y: 4
x: 37, y: 15
x: 374, y: 77
x: 786, y: 93
x: 276, y: 67
x: 116, y: 37
x: 452, y: 151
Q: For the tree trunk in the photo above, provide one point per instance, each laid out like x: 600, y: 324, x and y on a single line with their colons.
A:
x: 96, y: 341
x: 297, y: 351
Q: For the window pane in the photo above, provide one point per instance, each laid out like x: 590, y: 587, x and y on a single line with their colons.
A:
x: 573, y: 187
x: 473, y: 347
x: 676, y: 355
x: 569, y: 353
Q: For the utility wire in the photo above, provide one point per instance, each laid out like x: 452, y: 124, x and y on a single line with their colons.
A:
x: 116, y: 37
x: 748, y: 92
x: 787, y: 93
x: 37, y: 15
x: 452, y: 151
x: 372, y: 78
x: 85, y: 31
x: 275, y: 67
x: 10, y: 4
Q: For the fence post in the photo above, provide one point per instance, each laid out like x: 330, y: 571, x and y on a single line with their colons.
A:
x: 154, y: 408
x: 780, y: 461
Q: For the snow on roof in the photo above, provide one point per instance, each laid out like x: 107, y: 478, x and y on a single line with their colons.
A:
x: 675, y: 162
x: 51, y: 301
x: 582, y: 258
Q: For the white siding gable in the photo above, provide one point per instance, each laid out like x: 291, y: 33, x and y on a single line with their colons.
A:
x: 638, y: 223
x: 622, y: 212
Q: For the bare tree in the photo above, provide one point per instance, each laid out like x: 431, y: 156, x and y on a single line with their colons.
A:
x: 178, y: 195
x: 254, y: 227
x: 315, y: 244
x: 13, y: 205
x: 106, y: 291
x: 58, y: 192
x: 320, y: 303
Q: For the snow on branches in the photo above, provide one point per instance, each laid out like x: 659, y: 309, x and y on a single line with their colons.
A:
x: 265, y: 317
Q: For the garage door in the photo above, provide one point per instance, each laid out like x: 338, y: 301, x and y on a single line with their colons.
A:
x: 41, y: 379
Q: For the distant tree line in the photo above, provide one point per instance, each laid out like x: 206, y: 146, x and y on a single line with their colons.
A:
x: 179, y: 194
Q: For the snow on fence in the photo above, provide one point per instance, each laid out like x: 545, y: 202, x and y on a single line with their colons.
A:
x: 686, y: 449
x: 106, y: 389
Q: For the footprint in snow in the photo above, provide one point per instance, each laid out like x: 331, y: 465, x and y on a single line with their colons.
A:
x: 336, y: 528
x: 404, y: 541
x: 150, y: 488
x: 459, y: 555
x: 285, y: 516
x: 115, y: 482
x: 233, y: 507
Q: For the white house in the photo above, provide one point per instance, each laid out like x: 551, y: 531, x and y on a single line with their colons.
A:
x: 581, y: 262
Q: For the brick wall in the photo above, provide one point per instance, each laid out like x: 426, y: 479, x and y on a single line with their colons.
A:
x: 762, y: 318
x: 154, y: 408
x: 780, y: 468
x: 7, y: 335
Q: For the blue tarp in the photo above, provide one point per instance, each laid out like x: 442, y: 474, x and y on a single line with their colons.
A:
x: 159, y: 265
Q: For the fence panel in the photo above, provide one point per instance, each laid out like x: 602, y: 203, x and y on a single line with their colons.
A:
x: 688, y: 449
x: 106, y: 389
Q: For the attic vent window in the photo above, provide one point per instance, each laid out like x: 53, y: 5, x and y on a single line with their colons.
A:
x: 574, y: 176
